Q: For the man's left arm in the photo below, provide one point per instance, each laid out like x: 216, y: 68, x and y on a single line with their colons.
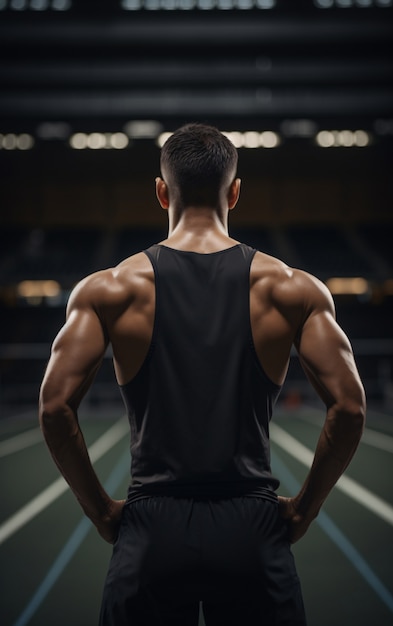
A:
x: 76, y: 356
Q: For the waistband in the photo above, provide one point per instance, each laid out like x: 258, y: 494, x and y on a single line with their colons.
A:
x: 201, y: 491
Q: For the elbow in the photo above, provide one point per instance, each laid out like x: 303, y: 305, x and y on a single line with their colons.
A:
x: 357, y: 410
x: 349, y: 417
x: 54, y: 415
x: 48, y: 409
x: 58, y: 425
x: 356, y: 417
x: 354, y: 409
x: 48, y: 415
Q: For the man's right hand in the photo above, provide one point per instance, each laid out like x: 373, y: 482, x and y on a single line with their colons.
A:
x: 108, y: 527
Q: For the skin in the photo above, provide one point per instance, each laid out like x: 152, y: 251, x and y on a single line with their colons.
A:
x: 116, y: 306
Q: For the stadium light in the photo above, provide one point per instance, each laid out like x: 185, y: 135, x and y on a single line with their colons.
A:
x: 342, y: 138
x: 13, y: 141
x: 202, y: 5
x: 99, y: 141
x: 348, y: 286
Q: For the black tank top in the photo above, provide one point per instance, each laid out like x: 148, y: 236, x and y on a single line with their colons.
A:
x: 199, y: 407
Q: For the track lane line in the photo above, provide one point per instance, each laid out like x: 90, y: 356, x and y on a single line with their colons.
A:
x: 370, y: 437
x: 377, y: 440
x: 337, y: 536
x: 71, y: 546
x: 20, y: 442
x: 30, y: 510
x: 347, y: 485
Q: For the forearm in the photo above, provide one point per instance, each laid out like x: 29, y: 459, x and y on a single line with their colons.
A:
x: 67, y: 446
x: 336, y: 446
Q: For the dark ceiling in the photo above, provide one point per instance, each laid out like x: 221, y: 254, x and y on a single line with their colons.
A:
x: 97, y: 66
x: 294, y: 69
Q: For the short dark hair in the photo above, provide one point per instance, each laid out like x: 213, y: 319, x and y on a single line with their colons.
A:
x: 198, y: 160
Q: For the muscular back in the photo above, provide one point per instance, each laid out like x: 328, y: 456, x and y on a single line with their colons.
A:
x: 118, y: 305
x: 277, y: 307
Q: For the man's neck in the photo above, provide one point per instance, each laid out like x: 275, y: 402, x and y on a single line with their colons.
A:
x: 199, y: 229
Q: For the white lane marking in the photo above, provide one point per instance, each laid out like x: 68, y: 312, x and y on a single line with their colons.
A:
x: 371, y: 437
x: 20, y: 442
x: 377, y: 440
x: 59, y: 486
x: 347, y: 485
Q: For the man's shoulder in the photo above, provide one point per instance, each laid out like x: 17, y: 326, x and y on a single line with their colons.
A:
x: 131, y: 266
x: 268, y: 262
x: 285, y: 282
x: 114, y: 284
x: 267, y: 268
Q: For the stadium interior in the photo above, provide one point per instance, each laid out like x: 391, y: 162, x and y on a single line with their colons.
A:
x: 90, y: 89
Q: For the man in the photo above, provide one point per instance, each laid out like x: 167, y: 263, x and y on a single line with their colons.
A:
x: 201, y: 328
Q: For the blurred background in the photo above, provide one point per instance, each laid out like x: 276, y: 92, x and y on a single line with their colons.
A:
x: 89, y: 91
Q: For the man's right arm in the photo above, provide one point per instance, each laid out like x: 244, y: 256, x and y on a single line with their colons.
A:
x: 326, y: 356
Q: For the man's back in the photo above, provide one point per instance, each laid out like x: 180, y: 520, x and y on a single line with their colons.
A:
x: 200, y: 405
x: 125, y: 297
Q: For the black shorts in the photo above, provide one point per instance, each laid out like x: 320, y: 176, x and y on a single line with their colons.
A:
x: 231, y: 555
